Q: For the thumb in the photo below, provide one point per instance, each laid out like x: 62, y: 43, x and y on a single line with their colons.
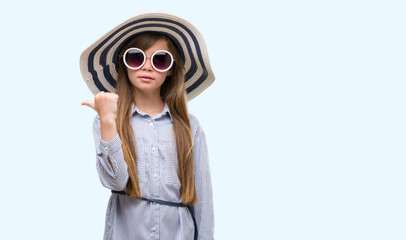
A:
x: 89, y: 104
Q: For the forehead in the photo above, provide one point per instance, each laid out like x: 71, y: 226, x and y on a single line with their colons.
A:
x: 158, y: 45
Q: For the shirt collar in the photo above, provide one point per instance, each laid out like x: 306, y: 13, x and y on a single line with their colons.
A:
x: 165, y: 111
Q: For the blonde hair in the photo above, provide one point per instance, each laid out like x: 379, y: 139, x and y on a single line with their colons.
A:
x: 174, y: 94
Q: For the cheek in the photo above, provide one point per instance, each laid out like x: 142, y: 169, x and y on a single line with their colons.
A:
x: 161, y: 78
x: 132, y: 77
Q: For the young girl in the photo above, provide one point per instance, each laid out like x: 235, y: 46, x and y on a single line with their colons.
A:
x: 150, y: 151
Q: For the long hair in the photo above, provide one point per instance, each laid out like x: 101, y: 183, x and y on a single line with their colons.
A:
x: 173, y: 93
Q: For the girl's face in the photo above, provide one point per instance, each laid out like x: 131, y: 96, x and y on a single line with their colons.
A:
x: 146, y: 79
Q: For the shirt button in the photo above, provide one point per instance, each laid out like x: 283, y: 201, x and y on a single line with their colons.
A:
x: 106, y: 148
x: 154, y: 203
x: 155, y: 175
x: 151, y: 124
x: 153, y: 229
x: 153, y: 148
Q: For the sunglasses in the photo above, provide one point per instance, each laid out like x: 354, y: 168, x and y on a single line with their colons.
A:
x: 161, y: 60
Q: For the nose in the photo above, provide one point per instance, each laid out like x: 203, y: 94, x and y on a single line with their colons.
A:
x: 147, y: 65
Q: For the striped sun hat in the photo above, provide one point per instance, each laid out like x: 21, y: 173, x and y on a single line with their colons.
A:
x: 99, y: 62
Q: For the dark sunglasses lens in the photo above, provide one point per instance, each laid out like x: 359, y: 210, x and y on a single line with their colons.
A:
x: 134, y: 58
x: 162, y: 60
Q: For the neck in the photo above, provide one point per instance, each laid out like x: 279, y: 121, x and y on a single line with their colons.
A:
x: 149, y: 103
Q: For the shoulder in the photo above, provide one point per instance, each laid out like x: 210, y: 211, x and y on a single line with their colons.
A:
x: 195, y: 125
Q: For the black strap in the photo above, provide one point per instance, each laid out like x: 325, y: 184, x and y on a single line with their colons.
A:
x: 173, y: 204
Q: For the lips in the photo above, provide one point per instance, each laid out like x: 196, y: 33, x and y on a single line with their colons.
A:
x: 146, y: 78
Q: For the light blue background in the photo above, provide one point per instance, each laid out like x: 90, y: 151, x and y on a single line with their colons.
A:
x: 305, y: 122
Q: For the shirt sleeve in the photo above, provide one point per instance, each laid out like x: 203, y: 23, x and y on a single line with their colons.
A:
x: 204, y: 211
x: 114, y: 176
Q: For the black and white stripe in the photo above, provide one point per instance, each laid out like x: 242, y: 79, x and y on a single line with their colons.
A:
x: 99, y: 62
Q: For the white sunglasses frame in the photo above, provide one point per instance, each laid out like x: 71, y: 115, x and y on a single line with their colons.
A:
x: 145, y: 59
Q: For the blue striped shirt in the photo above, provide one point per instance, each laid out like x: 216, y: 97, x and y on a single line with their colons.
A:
x: 157, y: 165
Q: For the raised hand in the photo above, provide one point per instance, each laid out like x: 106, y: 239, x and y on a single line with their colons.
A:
x: 105, y: 104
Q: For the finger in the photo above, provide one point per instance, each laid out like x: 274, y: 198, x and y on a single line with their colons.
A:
x: 89, y: 104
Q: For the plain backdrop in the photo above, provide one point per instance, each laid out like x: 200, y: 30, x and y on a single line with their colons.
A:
x: 305, y: 122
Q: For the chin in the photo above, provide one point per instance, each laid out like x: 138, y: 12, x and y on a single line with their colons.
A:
x: 146, y: 88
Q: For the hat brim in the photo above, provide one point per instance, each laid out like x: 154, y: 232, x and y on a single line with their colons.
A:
x: 99, y: 62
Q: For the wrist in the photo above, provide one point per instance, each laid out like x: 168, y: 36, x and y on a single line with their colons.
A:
x: 108, y: 129
x: 107, y: 119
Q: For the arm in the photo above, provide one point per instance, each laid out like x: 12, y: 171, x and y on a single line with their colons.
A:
x: 204, y: 212
x: 110, y: 163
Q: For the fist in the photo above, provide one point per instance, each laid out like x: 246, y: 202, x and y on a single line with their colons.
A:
x: 105, y: 104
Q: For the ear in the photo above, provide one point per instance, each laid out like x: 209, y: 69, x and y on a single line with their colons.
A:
x: 169, y: 73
